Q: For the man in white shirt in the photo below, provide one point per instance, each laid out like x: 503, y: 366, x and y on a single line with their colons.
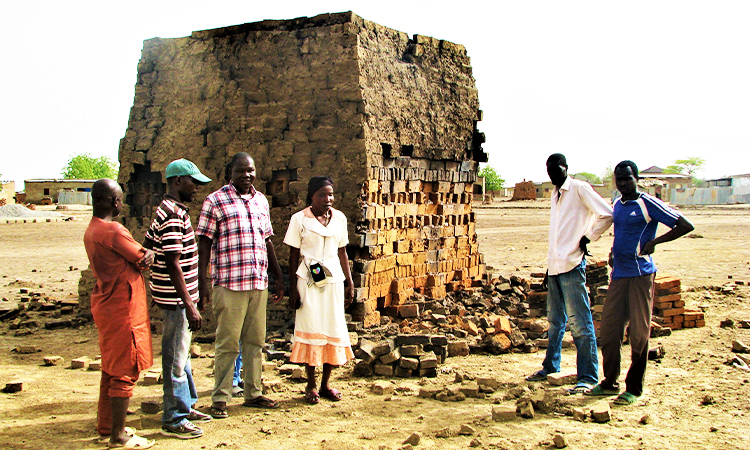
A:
x: 578, y: 215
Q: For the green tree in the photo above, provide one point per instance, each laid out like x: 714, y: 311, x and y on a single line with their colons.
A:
x: 608, y: 176
x: 588, y: 177
x: 87, y: 167
x: 492, y: 181
x: 687, y: 166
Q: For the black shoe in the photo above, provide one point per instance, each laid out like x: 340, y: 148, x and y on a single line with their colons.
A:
x: 538, y: 376
x: 185, y: 431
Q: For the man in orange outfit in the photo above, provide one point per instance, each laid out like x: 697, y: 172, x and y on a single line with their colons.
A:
x: 120, y: 310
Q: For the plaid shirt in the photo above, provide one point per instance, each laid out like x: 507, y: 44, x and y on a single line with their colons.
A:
x: 238, y: 229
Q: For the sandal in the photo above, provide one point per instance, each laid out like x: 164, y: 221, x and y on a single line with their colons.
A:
x: 134, y: 442
x: 626, y: 398
x: 537, y: 376
x: 601, y: 391
x: 580, y: 388
x: 312, y: 397
x: 218, y: 413
x: 261, y: 402
x: 104, y: 438
x: 331, y: 394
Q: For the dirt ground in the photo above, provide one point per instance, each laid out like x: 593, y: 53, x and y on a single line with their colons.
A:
x: 692, y: 399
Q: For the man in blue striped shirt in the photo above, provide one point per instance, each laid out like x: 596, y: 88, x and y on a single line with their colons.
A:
x: 174, y: 287
x: 630, y: 296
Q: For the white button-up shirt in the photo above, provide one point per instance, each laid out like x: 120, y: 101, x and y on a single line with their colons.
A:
x: 579, y: 212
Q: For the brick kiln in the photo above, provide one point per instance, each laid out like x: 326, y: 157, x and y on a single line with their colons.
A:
x: 392, y: 118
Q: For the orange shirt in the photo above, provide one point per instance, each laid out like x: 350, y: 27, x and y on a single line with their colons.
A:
x: 118, y: 301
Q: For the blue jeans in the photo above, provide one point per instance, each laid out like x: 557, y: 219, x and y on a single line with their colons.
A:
x: 179, y: 389
x: 237, y: 368
x: 567, y: 298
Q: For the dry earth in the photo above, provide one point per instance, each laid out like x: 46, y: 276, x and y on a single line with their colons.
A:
x: 693, y: 400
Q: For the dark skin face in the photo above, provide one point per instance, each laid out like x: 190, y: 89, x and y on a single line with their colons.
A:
x: 557, y: 173
x: 322, y: 200
x: 626, y: 183
x: 184, y: 188
x: 243, y: 175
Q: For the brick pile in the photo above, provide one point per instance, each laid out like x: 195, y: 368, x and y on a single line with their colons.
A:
x: 418, y: 238
x: 524, y: 190
x: 36, y: 310
x: 596, y: 279
x: 669, y: 307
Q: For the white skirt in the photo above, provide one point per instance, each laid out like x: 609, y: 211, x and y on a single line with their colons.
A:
x: 320, y: 332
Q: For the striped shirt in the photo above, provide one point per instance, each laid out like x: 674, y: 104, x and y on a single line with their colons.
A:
x: 171, y: 232
x: 635, y: 224
x: 238, y: 228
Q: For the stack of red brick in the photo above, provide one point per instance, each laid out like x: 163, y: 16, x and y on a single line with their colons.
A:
x: 419, y: 238
x: 669, y: 307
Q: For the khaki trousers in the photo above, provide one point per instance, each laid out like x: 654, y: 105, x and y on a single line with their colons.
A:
x: 241, y: 317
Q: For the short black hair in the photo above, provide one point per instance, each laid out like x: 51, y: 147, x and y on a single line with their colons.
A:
x: 557, y: 158
x: 628, y: 163
x: 237, y: 157
x: 103, y: 192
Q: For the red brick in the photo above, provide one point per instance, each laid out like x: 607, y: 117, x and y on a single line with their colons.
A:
x: 666, y: 282
x: 668, y: 298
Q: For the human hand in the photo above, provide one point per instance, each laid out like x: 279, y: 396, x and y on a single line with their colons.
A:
x: 294, y: 300
x: 204, y: 295
x: 146, y: 260
x: 648, y: 248
x: 279, y: 294
x: 545, y: 280
x: 611, y: 261
x: 193, y: 317
x: 348, y: 295
x: 582, y: 245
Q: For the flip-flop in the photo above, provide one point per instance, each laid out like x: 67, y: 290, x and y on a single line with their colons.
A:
x: 237, y: 391
x: 218, y: 413
x: 333, y: 395
x: 579, y: 389
x: 312, y: 397
x: 626, y: 398
x: 261, y: 402
x: 104, y: 438
x: 135, y: 442
x: 601, y: 391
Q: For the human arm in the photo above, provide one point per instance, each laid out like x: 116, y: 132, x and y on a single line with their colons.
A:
x: 349, y: 289
x: 294, y: 300
x: 177, y: 277
x: 601, y: 210
x: 204, y: 255
x: 124, y: 244
x: 273, y: 264
x: 681, y: 228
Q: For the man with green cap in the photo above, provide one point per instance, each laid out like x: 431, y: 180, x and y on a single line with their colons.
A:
x: 174, y: 287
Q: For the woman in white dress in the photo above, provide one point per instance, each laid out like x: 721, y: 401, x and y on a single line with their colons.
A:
x: 318, y: 237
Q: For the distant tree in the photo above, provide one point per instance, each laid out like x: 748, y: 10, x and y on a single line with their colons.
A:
x: 588, y: 177
x: 687, y: 166
x: 608, y: 176
x: 85, y: 166
x: 492, y: 181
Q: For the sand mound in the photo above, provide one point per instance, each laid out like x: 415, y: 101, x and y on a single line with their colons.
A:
x: 20, y: 211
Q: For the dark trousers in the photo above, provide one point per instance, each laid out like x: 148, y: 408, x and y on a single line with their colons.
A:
x: 629, y: 300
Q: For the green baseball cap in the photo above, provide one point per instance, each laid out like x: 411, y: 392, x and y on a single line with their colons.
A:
x: 183, y: 167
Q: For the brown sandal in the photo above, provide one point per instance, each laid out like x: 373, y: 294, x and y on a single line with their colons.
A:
x: 331, y: 394
x: 312, y: 397
x: 261, y: 402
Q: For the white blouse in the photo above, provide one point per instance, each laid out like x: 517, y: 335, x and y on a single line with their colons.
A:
x: 317, y: 242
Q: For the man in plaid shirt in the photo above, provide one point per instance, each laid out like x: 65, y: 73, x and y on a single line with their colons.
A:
x: 235, y: 231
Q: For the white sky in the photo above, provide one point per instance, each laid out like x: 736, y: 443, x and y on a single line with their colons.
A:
x: 599, y: 81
